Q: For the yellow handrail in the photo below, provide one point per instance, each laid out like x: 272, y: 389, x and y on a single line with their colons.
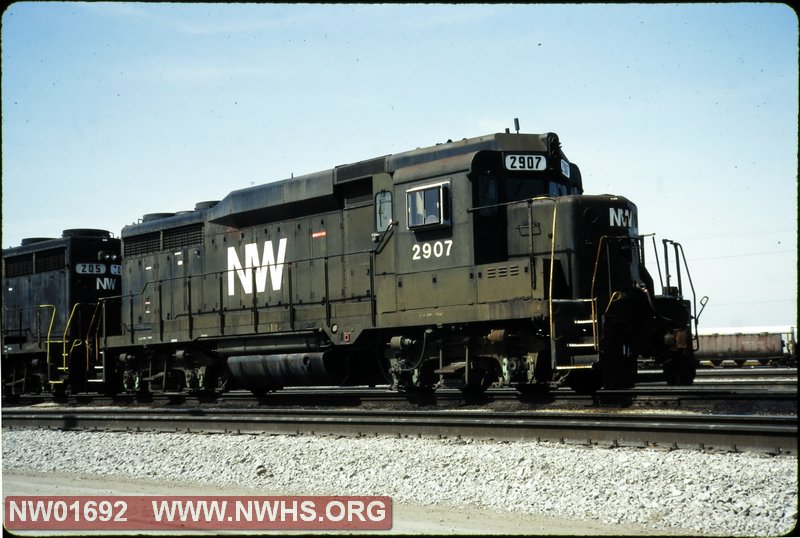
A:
x: 592, y: 299
x: 78, y: 342
x: 550, y: 279
x: 49, y: 331
x: 552, y: 268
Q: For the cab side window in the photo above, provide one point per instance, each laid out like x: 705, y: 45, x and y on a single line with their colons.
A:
x: 428, y: 206
x: 383, y: 211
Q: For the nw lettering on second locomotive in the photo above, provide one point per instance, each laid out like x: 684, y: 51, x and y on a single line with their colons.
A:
x: 106, y: 283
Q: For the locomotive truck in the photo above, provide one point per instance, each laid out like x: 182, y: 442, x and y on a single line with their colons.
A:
x: 466, y: 264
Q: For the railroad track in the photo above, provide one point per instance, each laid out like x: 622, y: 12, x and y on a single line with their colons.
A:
x: 714, y: 386
x: 771, y: 434
x: 777, y: 395
x: 711, y: 394
x: 769, y: 371
x: 776, y: 398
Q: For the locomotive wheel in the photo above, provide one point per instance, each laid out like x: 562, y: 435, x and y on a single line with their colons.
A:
x: 421, y: 381
x: 618, y: 365
x: 213, y: 380
x: 621, y: 374
x: 474, y: 389
x: 481, y: 376
x: 585, y: 381
x: 417, y: 390
x: 111, y: 388
x: 533, y: 390
x: 680, y: 369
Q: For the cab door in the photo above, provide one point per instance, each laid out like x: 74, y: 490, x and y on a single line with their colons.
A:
x: 383, y: 236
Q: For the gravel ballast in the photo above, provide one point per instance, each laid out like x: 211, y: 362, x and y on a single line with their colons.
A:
x: 742, y: 494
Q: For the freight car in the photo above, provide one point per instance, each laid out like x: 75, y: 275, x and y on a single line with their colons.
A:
x: 464, y: 264
x: 773, y: 345
x: 52, y: 291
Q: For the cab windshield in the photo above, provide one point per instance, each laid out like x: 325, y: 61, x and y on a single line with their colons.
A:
x: 493, y: 191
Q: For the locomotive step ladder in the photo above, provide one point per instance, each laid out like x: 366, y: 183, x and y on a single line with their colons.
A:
x: 56, y: 370
x: 95, y: 358
x: 574, y: 332
x: 451, y: 368
x: 99, y: 374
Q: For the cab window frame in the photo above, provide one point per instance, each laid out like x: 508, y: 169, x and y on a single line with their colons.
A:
x: 428, y: 206
x: 383, y: 218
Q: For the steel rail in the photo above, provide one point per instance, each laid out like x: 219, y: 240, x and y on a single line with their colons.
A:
x: 775, y: 394
x: 734, y: 385
x: 772, y: 434
x: 765, y: 371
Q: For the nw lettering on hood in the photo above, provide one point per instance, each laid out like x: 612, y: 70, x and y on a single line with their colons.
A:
x: 268, y: 263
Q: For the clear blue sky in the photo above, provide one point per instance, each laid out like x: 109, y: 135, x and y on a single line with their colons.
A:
x: 114, y: 110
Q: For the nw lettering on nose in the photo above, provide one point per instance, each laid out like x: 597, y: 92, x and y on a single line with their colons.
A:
x: 106, y: 283
x: 268, y: 263
x: 619, y: 217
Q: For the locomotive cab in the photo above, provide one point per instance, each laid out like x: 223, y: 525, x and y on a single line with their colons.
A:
x: 540, y: 283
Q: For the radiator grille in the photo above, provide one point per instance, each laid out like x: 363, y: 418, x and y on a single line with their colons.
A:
x: 184, y: 236
x: 50, y: 260
x: 18, y: 265
x: 142, y: 244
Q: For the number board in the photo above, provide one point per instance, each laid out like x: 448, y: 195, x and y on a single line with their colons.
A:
x: 90, y: 268
x: 526, y: 162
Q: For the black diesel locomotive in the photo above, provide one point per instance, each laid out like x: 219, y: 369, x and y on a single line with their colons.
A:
x: 52, y: 302
x: 464, y: 264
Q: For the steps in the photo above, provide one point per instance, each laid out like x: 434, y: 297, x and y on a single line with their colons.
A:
x: 573, y: 333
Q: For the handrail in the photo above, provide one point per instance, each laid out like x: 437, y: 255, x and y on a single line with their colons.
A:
x: 550, y: 283
x: 680, y: 255
x: 383, y: 237
x: 658, y: 263
x: 89, y: 334
x: 597, y: 263
x: 603, y: 239
x: 615, y: 295
x: 703, y: 300
x: 75, y: 343
x: 550, y: 299
x: 529, y: 202
x: 49, y: 331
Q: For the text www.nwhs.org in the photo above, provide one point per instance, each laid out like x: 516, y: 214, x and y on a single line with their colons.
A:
x: 194, y: 513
